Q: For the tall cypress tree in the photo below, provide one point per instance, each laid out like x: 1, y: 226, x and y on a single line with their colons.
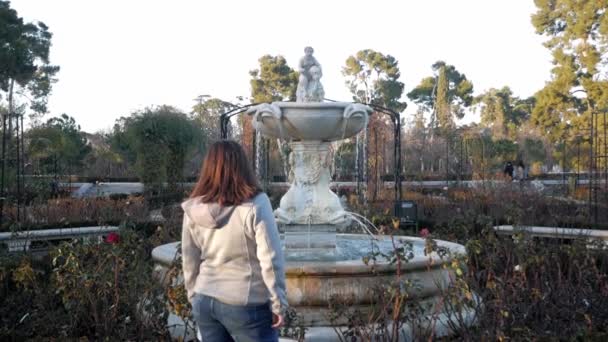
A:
x: 448, y: 93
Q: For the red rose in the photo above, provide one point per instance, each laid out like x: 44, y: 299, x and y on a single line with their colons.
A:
x: 424, y: 232
x: 113, y: 238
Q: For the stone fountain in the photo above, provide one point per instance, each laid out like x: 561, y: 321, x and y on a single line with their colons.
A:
x: 310, y: 212
x: 320, y: 263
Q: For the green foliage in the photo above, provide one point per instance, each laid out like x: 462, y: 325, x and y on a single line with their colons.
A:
x: 58, y: 146
x: 273, y: 81
x: 533, y: 150
x: 159, y: 139
x: 206, y: 113
x: 448, y: 93
x: 373, y: 77
x: 442, y: 102
x: 577, y: 33
x: 503, y: 112
x: 24, y: 58
x: 504, y: 149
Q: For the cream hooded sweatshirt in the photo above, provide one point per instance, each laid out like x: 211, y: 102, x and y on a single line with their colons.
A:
x: 233, y: 253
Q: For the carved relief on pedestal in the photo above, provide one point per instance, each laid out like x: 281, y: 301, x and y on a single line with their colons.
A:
x: 309, y: 199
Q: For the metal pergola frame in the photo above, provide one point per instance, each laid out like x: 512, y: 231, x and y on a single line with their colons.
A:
x: 12, y: 158
x: 598, y: 153
x: 395, y: 120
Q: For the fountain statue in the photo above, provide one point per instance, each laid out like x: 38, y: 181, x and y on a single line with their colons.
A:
x: 320, y: 263
x: 309, y: 83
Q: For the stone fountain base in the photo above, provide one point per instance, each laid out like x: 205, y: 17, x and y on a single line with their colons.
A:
x: 311, y: 284
x: 309, y: 242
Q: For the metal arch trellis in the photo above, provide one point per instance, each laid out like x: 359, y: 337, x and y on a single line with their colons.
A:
x: 395, y: 120
x: 598, y: 161
x: 225, y: 122
x: 13, y: 146
x: 225, y: 118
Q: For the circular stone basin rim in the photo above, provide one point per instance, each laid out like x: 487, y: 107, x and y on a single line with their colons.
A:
x: 165, y: 254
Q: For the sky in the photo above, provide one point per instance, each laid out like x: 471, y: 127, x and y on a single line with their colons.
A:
x: 120, y: 56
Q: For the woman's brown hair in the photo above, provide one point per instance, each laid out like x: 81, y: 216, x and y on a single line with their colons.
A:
x: 226, y: 176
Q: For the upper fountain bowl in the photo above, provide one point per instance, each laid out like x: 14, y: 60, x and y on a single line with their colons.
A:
x: 313, y: 121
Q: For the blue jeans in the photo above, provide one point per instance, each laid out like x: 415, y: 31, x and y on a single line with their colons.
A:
x: 218, y: 322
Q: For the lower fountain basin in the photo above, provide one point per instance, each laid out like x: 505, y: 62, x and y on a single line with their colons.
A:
x: 311, y: 284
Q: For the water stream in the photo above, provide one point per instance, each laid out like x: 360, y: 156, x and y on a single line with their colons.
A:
x: 258, y: 153
x: 362, y: 224
x: 353, y: 215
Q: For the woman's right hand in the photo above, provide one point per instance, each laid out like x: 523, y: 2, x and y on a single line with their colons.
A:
x: 277, y: 321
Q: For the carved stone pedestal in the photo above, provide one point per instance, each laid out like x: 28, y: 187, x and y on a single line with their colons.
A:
x: 309, y: 200
x: 309, y: 242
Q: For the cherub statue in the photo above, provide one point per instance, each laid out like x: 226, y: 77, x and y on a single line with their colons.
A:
x: 309, y: 81
x: 314, y: 91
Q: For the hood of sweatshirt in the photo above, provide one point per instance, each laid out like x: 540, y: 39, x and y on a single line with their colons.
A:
x: 207, y: 215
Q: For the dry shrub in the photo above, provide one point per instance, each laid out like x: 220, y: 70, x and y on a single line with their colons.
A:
x: 84, y: 291
x: 535, y: 289
x: 70, y: 212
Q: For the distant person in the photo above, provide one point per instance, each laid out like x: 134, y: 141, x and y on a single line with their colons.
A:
x: 521, y: 170
x: 54, y: 188
x: 234, y: 269
x: 509, y: 170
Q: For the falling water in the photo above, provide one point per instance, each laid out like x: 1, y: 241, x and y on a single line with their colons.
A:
x: 258, y: 153
x: 356, y: 219
x: 344, y: 127
x: 365, y: 145
x: 337, y: 166
x: 350, y: 213
x: 284, y: 155
x: 357, y: 159
x: 308, y: 236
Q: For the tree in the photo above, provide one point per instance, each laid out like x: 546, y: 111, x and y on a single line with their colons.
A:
x: 447, y: 94
x: 103, y: 161
x: 415, y: 145
x: 58, y: 146
x: 206, y: 113
x: 478, y: 144
x: 577, y: 33
x: 373, y: 77
x: 24, y: 60
x: 159, y: 139
x: 273, y: 81
x: 502, y: 112
x: 533, y: 150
